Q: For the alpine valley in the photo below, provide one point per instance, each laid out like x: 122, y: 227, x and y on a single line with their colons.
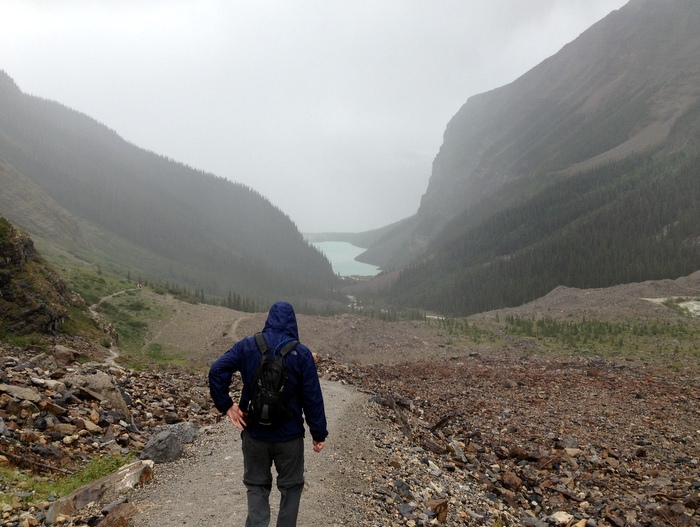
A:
x: 583, y: 172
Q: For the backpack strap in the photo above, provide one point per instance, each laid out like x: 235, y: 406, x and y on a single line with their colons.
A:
x: 288, y: 346
x: 261, y: 342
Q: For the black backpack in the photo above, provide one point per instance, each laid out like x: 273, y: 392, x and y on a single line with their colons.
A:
x: 268, y: 401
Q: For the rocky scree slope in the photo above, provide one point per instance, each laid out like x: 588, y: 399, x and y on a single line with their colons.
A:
x: 471, y: 434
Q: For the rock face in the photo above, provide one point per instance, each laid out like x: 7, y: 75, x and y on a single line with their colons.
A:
x: 509, y: 132
x: 32, y: 296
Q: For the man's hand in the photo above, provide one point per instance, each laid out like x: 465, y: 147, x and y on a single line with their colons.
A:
x: 236, y: 417
x: 318, y: 445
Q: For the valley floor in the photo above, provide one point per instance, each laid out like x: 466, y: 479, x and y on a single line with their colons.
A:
x: 429, y: 418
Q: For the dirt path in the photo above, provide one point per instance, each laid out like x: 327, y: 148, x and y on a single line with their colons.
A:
x: 204, y: 488
x: 234, y: 327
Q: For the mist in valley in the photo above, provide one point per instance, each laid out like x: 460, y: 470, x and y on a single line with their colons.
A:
x: 334, y: 112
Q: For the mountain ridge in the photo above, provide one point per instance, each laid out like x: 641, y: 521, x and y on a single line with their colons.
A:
x: 582, y: 172
x: 614, y: 91
x: 166, y: 220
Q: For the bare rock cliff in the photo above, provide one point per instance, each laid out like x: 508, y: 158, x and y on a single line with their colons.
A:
x: 617, y: 89
x: 32, y: 295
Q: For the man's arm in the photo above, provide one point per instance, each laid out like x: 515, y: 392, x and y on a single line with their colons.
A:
x: 312, y: 402
x: 220, y: 375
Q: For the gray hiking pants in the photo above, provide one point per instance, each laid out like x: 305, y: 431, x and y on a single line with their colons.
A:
x: 288, y: 458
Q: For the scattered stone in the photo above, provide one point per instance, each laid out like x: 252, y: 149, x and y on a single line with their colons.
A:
x: 23, y: 394
x: 511, y: 481
x: 119, y: 516
x: 564, y: 442
x: 102, y: 387
x: 561, y: 518
x: 53, y: 420
x: 439, y: 507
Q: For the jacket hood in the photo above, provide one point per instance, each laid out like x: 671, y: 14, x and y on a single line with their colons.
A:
x: 282, y: 320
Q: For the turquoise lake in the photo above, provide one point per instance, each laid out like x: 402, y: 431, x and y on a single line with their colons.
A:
x: 342, y: 257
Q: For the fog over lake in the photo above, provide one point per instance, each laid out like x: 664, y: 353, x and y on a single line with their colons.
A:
x: 342, y: 257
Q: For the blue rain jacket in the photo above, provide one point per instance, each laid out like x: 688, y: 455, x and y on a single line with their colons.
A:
x: 302, y: 379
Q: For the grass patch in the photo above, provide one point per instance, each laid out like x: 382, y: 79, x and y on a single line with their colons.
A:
x: 42, y: 487
x: 671, y: 343
x: 462, y: 328
x: 135, y: 305
x: 154, y: 351
x: 79, y: 322
x: 131, y: 316
x: 157, y: 353
x: 675, y: 305
x: 92, y: 284
x: 24, y: 341
x: 97, y: 468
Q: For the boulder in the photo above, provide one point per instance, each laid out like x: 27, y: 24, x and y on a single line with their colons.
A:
x: 163, y: 447
x: 21, y: 393
x: 102, y: 387
x: 104, y: 489
x: 185, y: 431
x: 64, y: 356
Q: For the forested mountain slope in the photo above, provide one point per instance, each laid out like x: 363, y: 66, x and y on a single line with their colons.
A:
x: 629, y: 221
x: 584, y: 172
x: 615, y: 91
x: 120, y: 205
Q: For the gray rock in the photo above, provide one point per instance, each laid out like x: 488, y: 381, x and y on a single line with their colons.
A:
x: 186, y: 431
x: 403, y: 489
x: 567, y: 442
x: 406, y: 510
x: 457, y: 451
x: 43, y: 361
x: 18, y: 392
x: 4, y: 431
x: 163, y: 447
x: 50, y: 384
x: 103, y: 387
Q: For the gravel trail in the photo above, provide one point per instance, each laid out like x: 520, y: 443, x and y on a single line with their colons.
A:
x: 205, y: 488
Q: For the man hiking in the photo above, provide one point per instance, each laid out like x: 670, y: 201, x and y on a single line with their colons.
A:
x: 280, y: 442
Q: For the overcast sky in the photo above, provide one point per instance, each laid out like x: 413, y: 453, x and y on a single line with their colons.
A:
x: 332, y: 110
